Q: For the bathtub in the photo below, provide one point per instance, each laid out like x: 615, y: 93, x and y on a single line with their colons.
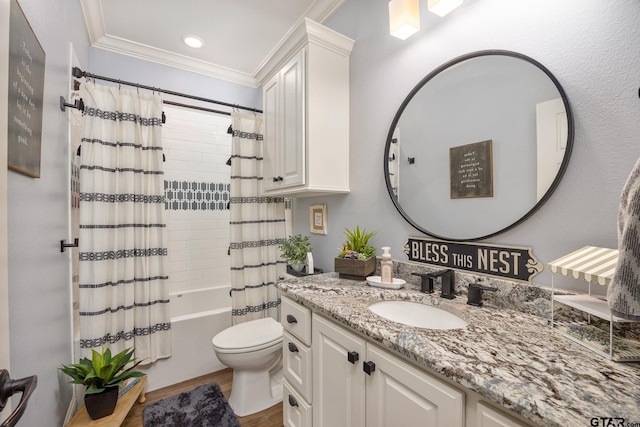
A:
x: 196, y: 316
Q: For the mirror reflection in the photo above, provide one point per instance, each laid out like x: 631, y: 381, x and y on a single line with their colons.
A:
x: 478, y: 145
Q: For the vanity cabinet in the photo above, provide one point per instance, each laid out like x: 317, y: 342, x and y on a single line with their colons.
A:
x: 356, y: 383
x: 306, y: 114
x: 335, y: 377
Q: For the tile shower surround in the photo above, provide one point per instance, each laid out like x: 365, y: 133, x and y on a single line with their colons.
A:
x: 183, y: 195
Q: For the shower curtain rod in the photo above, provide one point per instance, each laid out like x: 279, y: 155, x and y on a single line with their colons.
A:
x: 78, y: 73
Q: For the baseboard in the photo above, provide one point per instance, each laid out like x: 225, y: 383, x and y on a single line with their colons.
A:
x: 71, y: 410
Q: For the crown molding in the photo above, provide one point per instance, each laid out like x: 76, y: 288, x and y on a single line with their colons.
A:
x: 307, y: 31
x: 318, y: 11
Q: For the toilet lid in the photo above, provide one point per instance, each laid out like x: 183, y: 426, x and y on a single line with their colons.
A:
x: 251, y: 334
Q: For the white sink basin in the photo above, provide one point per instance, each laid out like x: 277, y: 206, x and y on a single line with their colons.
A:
x: 416, y: 314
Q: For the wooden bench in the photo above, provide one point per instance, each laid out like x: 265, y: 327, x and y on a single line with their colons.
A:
x: 125, y: 402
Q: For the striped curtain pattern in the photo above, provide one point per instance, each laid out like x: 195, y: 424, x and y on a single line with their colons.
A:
x: 123, y: 293
x: 257, y: 227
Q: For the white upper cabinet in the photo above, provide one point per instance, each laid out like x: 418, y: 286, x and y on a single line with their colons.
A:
x: 306, y: 108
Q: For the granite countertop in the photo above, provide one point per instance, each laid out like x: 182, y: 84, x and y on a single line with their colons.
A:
x: 509, y: 357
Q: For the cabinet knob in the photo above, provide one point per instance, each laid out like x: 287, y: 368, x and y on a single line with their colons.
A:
x: 293, y: 401
x: 293, y: 348
x: 368, y: 367
x: 275, y: 179
x: 291, y: 318
x: 353, y: 356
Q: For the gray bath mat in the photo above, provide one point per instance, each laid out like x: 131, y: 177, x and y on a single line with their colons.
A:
x: 204, y: 406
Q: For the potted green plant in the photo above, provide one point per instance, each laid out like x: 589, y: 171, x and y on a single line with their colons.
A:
x: 294, y: 250
x: 103, y: 374
x: 356, y: 259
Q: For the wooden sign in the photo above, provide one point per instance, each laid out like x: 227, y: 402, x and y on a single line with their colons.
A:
x: 513, y: 263
x: 26, y: 88
x: 471, y: 170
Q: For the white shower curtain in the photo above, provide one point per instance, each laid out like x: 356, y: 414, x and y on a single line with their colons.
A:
x: 122, y: 275
x: 257, y: 226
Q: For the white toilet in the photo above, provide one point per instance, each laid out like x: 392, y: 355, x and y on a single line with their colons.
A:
x: 253, y: 350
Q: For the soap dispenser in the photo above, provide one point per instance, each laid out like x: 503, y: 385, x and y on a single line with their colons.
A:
x: 386, y: 266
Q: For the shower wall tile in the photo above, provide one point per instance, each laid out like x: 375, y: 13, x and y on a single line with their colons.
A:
x: 197, y: 147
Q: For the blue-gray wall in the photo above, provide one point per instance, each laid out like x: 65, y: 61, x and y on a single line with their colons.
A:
x: 591, y: 46
x: 38, y: 217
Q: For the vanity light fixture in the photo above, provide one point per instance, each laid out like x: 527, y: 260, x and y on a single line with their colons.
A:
x: 404, y: 18
x: 442, y: 7
x: 193, y: 41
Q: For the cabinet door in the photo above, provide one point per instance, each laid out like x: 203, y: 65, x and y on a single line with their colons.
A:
x: 292, y: 87
x: 270, y: 162
x: 399, y: 394
x: 338, y: 384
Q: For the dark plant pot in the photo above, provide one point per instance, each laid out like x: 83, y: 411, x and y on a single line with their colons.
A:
x: 355, y: 269
x: 100, y: 405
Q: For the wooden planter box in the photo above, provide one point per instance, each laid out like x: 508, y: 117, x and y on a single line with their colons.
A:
x: 355, y: 269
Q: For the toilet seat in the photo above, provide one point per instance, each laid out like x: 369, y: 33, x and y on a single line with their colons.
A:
x: 249, y: 336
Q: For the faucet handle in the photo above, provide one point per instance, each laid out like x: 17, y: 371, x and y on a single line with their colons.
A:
x: 474, y: 295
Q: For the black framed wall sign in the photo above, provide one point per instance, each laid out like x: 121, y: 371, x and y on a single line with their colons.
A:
x: 26, y: 88
x: 505, y: 262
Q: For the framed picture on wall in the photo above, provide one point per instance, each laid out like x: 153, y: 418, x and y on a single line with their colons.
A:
x: 26, y: 88
x: 318, y: 219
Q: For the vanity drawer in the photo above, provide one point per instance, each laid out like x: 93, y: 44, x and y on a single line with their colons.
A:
x: 297, y: 365
x: 296, y: 320
x: 295, y: 411
x: 490, y: 417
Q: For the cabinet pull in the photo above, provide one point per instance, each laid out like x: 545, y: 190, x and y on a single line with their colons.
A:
x: 368, y: 367
x: 293, y: 401
x: 275, y: 179
x: 293, y: 348
x: 353, y: 356
x: 291, y: 318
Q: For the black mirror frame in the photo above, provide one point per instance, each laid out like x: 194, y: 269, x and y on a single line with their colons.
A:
x: 431, y: 75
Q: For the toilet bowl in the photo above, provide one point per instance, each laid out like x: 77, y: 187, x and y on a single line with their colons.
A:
x: 253, y: 350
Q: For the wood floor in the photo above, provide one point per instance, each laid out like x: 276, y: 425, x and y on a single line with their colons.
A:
x: 271, y: 417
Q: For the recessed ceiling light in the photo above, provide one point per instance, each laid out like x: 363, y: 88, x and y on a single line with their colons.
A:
x: 193, y: 41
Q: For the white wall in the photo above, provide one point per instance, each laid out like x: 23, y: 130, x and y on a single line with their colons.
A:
x: 197, y: 146
x: 591, y: 46
x: 38, y: 215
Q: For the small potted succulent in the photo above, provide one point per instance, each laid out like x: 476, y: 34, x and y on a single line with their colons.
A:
x: 356, y: 259
x: 103, y: 375
x: 294, y: 250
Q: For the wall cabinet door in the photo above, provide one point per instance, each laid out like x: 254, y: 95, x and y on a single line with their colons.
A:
x: 399, y: 394
x: 284, y: 142
x: 338, y: 384
x: 270, y: 162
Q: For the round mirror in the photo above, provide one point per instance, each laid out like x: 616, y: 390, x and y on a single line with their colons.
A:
x: 478, y: 145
